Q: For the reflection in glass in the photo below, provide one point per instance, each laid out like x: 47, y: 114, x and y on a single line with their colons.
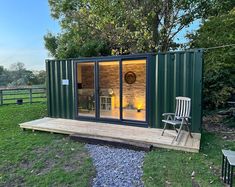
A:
x: 109, y: 89
x: 86, y: 89
x: 134, y: 89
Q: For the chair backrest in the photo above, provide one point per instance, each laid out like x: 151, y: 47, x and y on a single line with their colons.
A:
x: 183, y: 105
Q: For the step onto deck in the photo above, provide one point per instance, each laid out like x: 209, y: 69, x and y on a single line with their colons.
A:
x: 112, y: 142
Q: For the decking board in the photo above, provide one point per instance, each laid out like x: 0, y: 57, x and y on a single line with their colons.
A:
x: 117, y: 132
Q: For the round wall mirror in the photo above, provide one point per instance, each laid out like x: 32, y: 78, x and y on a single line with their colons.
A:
x: 130, y: 77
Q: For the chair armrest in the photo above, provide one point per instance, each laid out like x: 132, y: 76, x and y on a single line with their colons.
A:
x: 168, y: 114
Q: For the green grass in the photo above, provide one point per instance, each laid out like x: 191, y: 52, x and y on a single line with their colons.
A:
x: 162, y: 167
x: 10, y: 96
x: 43, y: 159
x: 39, y: 159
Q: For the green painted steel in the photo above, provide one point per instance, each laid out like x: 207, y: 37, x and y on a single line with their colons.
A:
x: 60, y: 97
x: 171, y: 74
x: 178, y: 74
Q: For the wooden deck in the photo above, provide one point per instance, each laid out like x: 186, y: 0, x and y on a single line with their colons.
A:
x: 117, y: 133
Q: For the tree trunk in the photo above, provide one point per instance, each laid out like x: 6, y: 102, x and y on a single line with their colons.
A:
x: 167, y: 6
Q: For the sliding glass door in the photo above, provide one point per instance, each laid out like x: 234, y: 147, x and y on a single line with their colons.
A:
x: 86, y: 89
x: 109, y: 90
x: 112, y: 90
x: 134, y: 90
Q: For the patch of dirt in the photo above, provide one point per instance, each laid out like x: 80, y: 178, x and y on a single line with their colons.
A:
x: 41, y: 150
x: 25, y: 164
x: 19, y: 180
x: 42, y: 160
x: 75, y: 161
x: 48, y: 165
x: 215, y: 123
x: 7, y: 168
x: 49, y: 161
x: 68, y: 161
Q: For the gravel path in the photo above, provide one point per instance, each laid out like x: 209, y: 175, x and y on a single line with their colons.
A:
x: 116, y: 167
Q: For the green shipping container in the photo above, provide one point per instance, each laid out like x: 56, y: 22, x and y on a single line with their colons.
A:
x: 128, y: 90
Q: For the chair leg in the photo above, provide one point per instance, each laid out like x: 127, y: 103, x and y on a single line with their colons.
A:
x: 228, y: 178
x: 189, y: 131
x: 179, y: 131
x: 222, y: 168
x: 175, y: 128
x: 163, y: 129
x: 231, y: 177
x: 225, y: 170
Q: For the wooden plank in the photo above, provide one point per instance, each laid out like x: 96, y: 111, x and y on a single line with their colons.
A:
x: 105, y: 131
x: 70, y: 128
x: 95, y: 132
x: 37, y: 121
x: 109, y: 130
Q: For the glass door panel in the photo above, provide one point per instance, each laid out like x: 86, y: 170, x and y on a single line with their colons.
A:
x: 109, y: 90
x: 134, y: 90
x: 86, y: 89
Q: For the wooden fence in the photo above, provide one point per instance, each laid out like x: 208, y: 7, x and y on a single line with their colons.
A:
x: 22, y: 95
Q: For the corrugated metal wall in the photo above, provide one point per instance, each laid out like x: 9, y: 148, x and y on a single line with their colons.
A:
x: 60, y: 97
x: 179, y: 74
x: 171, y: 74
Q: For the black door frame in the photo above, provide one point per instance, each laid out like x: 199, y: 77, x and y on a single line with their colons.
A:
x: 96, y: 61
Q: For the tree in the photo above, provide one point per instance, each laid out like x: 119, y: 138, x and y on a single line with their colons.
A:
x: 1, y: 70
x: 39, y: 78
x: 219, y: 64
x: 19, y: 66
x: 3, y: 76
x: 18, y: 75
x: 208, y: 8
x: 51, y: 43
x: 101, y: 27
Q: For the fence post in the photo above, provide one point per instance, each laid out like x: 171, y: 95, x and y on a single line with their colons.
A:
x: 30, y: 96
x: 1, y: 98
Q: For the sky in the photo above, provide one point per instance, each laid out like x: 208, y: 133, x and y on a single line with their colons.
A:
x: 23, y: 23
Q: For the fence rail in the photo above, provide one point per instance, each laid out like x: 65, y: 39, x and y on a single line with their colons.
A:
x: 22, y: 95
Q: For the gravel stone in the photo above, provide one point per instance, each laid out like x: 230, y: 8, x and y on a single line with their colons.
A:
x: 116, y: 167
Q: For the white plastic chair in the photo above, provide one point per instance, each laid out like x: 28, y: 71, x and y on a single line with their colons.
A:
x: 180, y: 117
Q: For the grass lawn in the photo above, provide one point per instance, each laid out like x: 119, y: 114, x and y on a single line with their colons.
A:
x: 174, y: 168
x: 11, y: 96
x: 39, y: 159
x: 43, y: 159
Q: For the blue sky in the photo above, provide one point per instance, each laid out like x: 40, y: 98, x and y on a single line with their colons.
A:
x: 23, y: 23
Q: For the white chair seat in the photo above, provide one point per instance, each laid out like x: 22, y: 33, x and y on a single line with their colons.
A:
x: 172, y: 122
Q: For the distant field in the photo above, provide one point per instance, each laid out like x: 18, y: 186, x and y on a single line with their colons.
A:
x: 27, y: 95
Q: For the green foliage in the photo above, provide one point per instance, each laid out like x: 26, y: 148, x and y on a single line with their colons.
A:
x: 94, y: 48
x: 39, y: 78
x: 51, y: 43
x: 219, y: 65
x: 3, y: 76
x: 18, y: 75
x: 215, y: 7
x: 123, y: 26
x: 39, y: 159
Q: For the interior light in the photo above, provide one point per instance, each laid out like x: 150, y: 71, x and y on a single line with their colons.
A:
x: 110, y: 91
